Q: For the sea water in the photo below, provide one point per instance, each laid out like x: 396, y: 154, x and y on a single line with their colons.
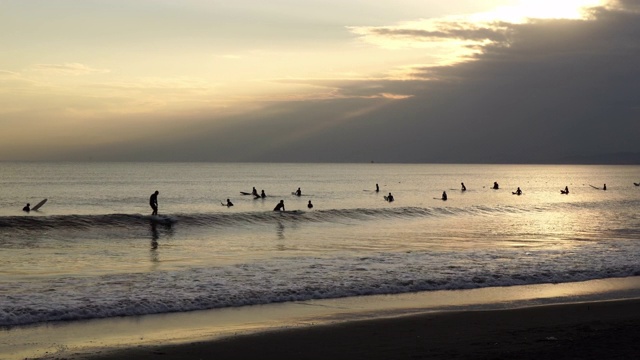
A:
x: 94, y: 251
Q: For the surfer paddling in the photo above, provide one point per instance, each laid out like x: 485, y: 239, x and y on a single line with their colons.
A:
x: 280, y: 206
x: 153, y: 202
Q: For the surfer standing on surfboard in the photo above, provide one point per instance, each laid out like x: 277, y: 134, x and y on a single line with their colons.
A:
x: 153, y: 202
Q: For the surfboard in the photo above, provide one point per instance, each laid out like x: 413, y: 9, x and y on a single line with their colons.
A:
x: 515, y: 193
x: 38, y: 205
x: 245, y: 193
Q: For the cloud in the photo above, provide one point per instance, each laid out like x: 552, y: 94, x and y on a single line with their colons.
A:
x: 68, y: 69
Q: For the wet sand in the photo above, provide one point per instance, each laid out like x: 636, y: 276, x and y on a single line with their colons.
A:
x: 595, y: 330
x: 594, y: 319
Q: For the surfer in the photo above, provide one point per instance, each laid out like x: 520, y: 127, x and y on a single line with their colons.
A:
x: 310, y: 205
x: 518, y: 192
x: 298, y: 192
x: 444, y: 195
x: 280, y: 206
x: 377, y: 188
x: 565, y: 191
x: 229, y: 203
x: 636, y: 184
x: 495, y: 186
x: 153, y: 202
x: 604, y: 187
x: 254, y: 192
x: 464, y: 188
x: 262, y: 194
x: 389, y: 198
x: 27, y: 208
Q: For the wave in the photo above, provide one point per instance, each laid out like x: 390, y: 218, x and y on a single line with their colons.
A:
x: 232, y: 219
x: 301, y: 279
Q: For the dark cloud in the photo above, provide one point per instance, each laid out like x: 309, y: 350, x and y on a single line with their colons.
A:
x: 542, y: 91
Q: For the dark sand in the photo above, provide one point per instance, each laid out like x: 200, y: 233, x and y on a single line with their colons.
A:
x: 594, y: 330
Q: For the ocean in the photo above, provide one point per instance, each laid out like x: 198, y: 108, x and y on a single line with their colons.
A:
x: 94, y: 251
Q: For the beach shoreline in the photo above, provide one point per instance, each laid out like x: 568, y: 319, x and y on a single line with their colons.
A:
x: 546, y: 309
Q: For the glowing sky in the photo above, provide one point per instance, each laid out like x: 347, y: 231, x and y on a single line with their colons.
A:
x: 250, y: 80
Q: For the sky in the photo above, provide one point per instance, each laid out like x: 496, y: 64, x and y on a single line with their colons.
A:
x: 406, y: 81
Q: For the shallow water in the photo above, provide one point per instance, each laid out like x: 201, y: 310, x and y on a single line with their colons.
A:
x: 94, y: 251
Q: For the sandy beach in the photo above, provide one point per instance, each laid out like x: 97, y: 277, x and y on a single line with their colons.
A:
x: 594, y: 330
x: 595, y: 319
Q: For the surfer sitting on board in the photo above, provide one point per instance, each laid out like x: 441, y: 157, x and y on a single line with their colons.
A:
x: 604, y: 187
x: 229, y: 203
x: 310, y: 205
x: 495, y: 186
x: 518, y: 192
x: 153, y: 202
x: 254, y: 192
x: 280, y: 206
x: 464, y: 188
x: 444, y: 195
x: 377, y: 188
x: 298, y: 192
x: 389, y: 198
x: 565, y: 191
x: 27, y: 208
x: 262, y: 194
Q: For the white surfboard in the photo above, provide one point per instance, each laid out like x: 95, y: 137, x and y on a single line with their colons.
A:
x: 38, y: 205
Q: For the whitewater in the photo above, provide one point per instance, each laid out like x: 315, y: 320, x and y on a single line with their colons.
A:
x: 94, y: 250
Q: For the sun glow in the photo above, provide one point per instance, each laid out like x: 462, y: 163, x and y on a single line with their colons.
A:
x: 525, y: 10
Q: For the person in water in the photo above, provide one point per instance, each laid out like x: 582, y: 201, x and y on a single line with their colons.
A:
x: 298, y: 192
x: 153, y: 202
x: 565, y: 191
x: 254, y: 192
x: 604, y: 187
x: 262, y: 194
x: 280, y: 206
x: 518, y: 192
x: 495, y: 186
x: 27, y: 208
x: 390, y: 198
x: 229, y: 203
x: 464, y: 188
x: 444, y: 195
x: 377, y: 188
x: 310, y: 205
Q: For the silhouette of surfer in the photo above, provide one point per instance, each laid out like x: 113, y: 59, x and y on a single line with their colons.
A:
x: 27, y: 208
x: 604, y: 187
x: 310, y: 205
x: 298, y: 192
x: 280, y: 206
x: 636, y: 184
x: 518, y: 192
x: 444, y: 195
x: 153, y: 202
x: 254, y: 192
x: 377, y: 188
x: 565, y: 191
x: 262, y: 194
x: 229, y: 203
x: 495, y: 186
x: 389, y: 198
x: 464, y: 188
